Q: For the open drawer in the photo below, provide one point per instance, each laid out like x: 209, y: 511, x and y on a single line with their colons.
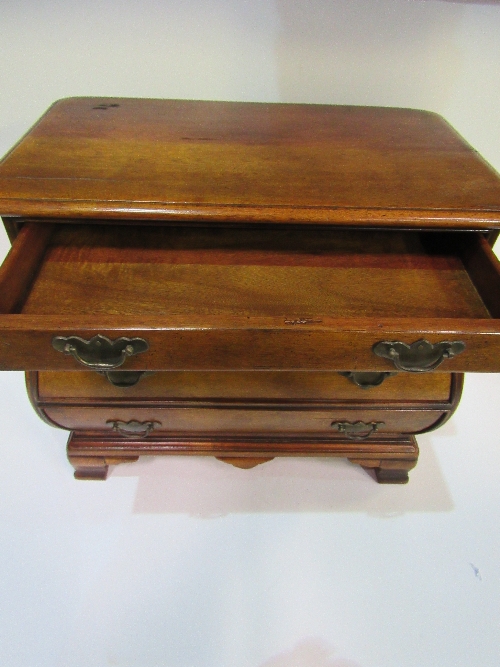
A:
x: 105, y: 296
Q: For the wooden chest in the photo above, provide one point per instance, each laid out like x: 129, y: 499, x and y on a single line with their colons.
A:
x: 247, y: 280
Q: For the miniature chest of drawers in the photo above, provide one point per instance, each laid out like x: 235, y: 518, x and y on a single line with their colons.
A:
x: 247, y: 280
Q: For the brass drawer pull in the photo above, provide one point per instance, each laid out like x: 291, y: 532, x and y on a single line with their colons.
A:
x: 124, y: 378
x: 366, y: 380
x: 420, y: 356
x: 357, y: 430
x: 99, y: 353
x: 133, y: 428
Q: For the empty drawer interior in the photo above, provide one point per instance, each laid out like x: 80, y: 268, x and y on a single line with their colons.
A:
x: 261, y: 271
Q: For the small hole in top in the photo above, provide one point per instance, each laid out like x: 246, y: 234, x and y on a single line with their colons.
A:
x: 103, y: 107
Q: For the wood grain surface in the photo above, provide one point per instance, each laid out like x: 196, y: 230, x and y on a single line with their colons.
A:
x: 192, y: 243
x: 265, y: 307
x: 220, y: 421
x: 262, y: 387
x: 253, y: 272
x: 243, y: 344
x: 240, y: 162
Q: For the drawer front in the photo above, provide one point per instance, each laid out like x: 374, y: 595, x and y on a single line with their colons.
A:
x: 245, y: 386
x: 339, y: 345
x: 225, y: 421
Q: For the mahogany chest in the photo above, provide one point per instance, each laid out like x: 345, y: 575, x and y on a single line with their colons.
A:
x: 247, y: 280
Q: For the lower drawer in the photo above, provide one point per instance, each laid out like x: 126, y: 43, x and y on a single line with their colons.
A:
x: 134, y: 421
x: 76, y: 387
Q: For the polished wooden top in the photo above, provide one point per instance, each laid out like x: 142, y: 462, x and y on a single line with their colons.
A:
x: 245, y: 162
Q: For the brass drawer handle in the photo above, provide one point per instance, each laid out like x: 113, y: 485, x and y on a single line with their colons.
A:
x: 357, y: 430
x: 100, y: 353
x: 367, y: 380
x: 124, y: 378
x: 418, y: 357
x: 133, y: 428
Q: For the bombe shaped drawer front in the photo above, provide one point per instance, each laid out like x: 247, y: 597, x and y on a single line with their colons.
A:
x: 240, y: 386
x: 223, y: 421
x: 319, y: 404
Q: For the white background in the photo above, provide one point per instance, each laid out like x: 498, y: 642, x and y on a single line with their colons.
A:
x: 298, y: 563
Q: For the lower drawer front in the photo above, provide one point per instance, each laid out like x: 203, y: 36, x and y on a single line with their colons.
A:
x: 250, y: 385
x: 237, y: 421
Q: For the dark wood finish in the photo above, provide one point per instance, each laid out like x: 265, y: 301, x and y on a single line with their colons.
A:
x: 391, y: 471
x: 244, y: 420
x: 261, y: 388
x: 244, y: 463
x: 256, y: 299
x: 248, y: 437
x: 180, y: 343
x: 21, y: 265
x: 404, y: 410
x: 12, y: 227
x: 250, y: 272
x: 484, y: 269
x: 227, y: 161
x: 258, y: 249
x: 107, y: 443
x: 492, y: 236
x: 89, y: 451
x: 96, y: 467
